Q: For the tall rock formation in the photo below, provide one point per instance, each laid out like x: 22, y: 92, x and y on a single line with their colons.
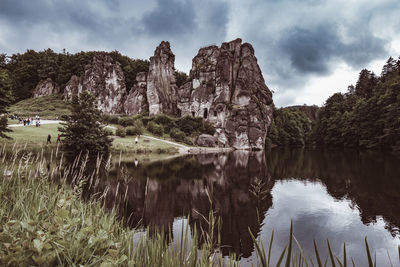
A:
x: 227, y: 88
x: 161, y: 84
x: 104, y: 79
x: 45, y: 88
x: 136, y: 101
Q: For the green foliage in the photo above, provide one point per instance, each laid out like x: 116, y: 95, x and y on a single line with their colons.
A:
x: 188, y: 141
x: 29, y: 68
x: 126, y: 121
x: 121, y: 132
x: 113, y: 119
x: 289, y: 127
x: 130, y: 67
x: 177, y: 134
x: 367, y: 117
x: 166, y: 121
x: 155, y: 128
x: 54, y: 107
x: 181, y: 78
x: 82, y: 131
x: 192, y: 126
x: 134, y: 130
x: 5, y: 100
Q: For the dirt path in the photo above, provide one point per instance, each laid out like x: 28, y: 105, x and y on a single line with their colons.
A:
x: 42, y: 122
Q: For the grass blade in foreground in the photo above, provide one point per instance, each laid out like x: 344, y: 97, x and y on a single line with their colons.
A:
x: 331, y: 254
x: 370, y: 264
x: 317, y: 255
x: 259, y: 251
x: 290, y: 246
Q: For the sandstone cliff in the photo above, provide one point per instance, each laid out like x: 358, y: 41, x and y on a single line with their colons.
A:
x: 136, y: 101
x: 161, y: 84
x: 104, y: 79
x: 227, y: 88
x: 45, y: 88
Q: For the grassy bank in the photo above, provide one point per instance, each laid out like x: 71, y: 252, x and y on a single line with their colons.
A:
x: 47, y: 107
x: 43, y: 221
x: 36, y: 137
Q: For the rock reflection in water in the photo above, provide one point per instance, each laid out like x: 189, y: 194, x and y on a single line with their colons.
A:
x: 362, y: 186
x: 154, y: 194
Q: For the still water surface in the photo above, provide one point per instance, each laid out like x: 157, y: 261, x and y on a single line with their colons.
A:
x: 340, y: 195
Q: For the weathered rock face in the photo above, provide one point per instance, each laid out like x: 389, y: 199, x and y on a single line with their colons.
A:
x: 45, y: 88
x: 136, y: 100
x: 104, y: 79
x: 161, y: 84
x: 227, y: 88
x: 207, y: 140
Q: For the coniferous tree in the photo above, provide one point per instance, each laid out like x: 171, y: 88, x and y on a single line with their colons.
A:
x: 83, y: 132
x: 5, y: 100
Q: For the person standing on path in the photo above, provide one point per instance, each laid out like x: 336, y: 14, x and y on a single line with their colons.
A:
x: 48, y: 139
x: 58, y: 138
x: 136, y: 140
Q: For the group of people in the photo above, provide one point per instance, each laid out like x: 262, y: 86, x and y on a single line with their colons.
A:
x: 49, y: 139
x: 30, y: 121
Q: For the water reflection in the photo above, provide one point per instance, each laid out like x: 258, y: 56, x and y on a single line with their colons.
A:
x: 343, y: 195
x: 236, y: 185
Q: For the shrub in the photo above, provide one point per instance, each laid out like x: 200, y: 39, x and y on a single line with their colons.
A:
x: 166, y: 121
x: 126, y: 121
x: 111, y: 118
x: 109, y: 131
x: 145, y: 120
x: 208, y: 128
x: 155, y: 128
x: 189, y: 124
x: 177, y: 134
x: 133, y: 130
x: 188, y: 141
x: 121, y: 131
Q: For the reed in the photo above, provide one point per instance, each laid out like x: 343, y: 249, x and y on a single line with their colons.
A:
x: 45, y: 221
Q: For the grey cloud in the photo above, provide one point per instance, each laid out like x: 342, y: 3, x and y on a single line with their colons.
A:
x: 171, y: 18
x: 311, y: 50
x: 294, y: 40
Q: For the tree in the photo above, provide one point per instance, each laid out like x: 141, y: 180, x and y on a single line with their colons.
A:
x: 82, y: 131
x: 366, y: 81
x: 181, y: 78
x: 5, y: 100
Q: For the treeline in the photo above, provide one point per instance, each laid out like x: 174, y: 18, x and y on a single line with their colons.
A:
x: 24, y: 71
x: 290, y: 126
x: 366, y: 116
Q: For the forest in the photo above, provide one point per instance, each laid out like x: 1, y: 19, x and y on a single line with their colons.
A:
x: 366, y: 116
x: 22, y: 72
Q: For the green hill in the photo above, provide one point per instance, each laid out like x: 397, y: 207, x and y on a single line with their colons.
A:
x: 47, y: 107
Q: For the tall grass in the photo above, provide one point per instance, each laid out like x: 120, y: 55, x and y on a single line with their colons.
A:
x: 44, y: 221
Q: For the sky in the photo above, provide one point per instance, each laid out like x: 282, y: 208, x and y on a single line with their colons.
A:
x: 307, y: 49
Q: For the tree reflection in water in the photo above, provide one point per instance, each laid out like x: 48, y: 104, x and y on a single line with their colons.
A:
x: 239, y: 185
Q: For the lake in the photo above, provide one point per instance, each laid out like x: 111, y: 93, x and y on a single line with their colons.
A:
x: 342, y: 195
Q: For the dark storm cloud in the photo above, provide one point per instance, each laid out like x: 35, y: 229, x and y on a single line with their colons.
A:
x: 171, y: 18
x: 294, y: 40
x: 311, y: 50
